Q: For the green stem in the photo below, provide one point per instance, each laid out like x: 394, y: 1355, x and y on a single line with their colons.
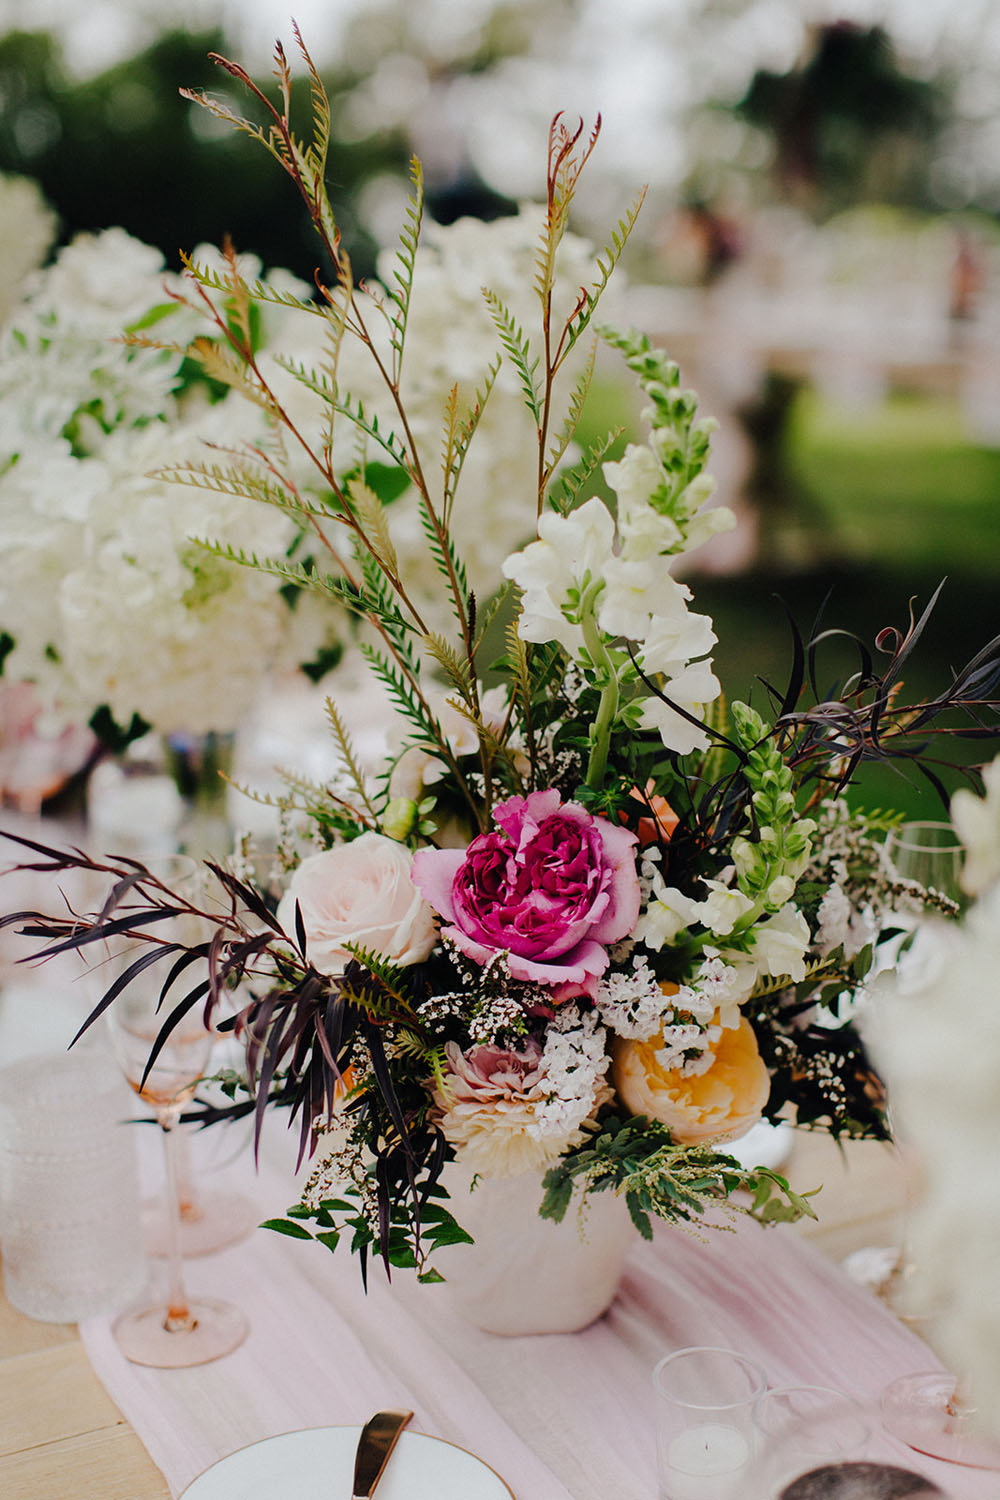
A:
x: 600, y: 734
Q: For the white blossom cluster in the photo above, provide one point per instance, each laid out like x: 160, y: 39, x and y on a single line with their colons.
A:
x: 574, y: 1063
x: 687, y: 1049
x: 630, y: 1001
x: 108, y: 597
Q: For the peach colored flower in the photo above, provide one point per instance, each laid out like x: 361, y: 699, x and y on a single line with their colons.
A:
x: 719, y: 1104
x: 490, y: 1107
x: 659, y: 826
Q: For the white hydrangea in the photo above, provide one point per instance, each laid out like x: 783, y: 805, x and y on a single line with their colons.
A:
x: 108, y: 597
x: 451, y: 341
x: 135, y: 614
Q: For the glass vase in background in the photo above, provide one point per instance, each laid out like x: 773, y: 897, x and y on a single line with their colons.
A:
x: 69, y: 1187
x: 929, y: 853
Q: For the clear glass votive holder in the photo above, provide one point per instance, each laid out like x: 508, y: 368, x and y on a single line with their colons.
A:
x: 69, y: 1189
x: 704, y: 1423
x: 802, y: 1429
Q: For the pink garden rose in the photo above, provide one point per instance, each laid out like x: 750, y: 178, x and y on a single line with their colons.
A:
x: 551, y: 889
x: 359, y: 893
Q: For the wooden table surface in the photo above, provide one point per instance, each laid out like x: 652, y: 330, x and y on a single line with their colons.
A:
x: 62, y: 1438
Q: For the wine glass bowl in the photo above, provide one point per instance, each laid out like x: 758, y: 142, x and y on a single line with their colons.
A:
x: 928, y: 853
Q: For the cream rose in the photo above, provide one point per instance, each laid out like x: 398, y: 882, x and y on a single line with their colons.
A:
x: 719, y: 1104
x: 359, y: 893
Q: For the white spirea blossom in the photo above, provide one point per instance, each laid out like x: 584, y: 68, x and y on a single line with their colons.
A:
x: 631, y: 1002
x: 575, y: 1061
x: 687, y: 1049
x: 717, y: 988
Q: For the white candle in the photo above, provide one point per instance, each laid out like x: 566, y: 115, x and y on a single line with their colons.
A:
x: 707, y: 1463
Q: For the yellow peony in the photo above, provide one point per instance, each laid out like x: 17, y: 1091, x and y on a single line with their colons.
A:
x: 720, y: 1104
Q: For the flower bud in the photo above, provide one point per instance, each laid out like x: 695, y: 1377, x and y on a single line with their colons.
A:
x: 400, y: 818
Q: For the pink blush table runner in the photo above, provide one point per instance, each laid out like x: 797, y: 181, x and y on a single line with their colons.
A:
x: 560, y: 1417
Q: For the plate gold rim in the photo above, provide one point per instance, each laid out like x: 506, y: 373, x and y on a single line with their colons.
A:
x: 345, y: 1427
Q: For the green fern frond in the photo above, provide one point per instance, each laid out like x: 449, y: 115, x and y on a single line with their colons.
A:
x: 370, y: 514
x: 405, y: 697
x: 516, y: 344
x: 221, y: 365
x: 606, y: 262
x: 347, y: 406
x: 459, y: 434
x: 573, y: 481
x: 258, y: 291
x: 406, y: 257
x: 447, y: 562
x: 517, y: 661
x: 454, y: 666
x: 578, y: 396
x: 300, y: 576
x: 243, y: 483
x: 346, y: 747
x: 378, y: 598
x: 266, y: 138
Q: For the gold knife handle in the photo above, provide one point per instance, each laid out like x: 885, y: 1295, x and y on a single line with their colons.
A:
x: 377, y: 1440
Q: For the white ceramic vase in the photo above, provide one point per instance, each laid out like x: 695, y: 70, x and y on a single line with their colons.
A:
x: 525, y: 1274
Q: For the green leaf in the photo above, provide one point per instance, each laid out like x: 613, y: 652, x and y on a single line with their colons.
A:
x: 289, y: 1227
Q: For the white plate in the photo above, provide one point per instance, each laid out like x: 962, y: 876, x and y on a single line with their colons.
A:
x: 318, y: 1464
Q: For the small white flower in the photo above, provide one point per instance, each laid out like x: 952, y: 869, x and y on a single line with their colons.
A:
x: 667, y: 914
x: 570, y: 552
x: 691, y: 689
x: 723, y: 907
x: 780, y: 943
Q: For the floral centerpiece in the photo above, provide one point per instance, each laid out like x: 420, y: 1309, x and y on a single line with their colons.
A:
x: 591, y: 920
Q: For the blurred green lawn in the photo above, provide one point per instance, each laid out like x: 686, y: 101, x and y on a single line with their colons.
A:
x: 899, y: 499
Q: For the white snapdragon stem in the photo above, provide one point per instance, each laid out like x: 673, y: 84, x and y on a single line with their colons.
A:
x: 600, y: 738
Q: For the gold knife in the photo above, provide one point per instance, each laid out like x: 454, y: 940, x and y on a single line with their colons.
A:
x: 377, y: 1440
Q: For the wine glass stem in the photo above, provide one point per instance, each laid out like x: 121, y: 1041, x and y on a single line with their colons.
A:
x: 187, y: 1191
x: 178, y: 1316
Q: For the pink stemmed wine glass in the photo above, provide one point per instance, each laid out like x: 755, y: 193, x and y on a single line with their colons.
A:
x: 175, y: 1330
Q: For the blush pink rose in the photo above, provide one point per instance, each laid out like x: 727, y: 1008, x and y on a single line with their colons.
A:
x: 359, y: 893
x: 551, y: 888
